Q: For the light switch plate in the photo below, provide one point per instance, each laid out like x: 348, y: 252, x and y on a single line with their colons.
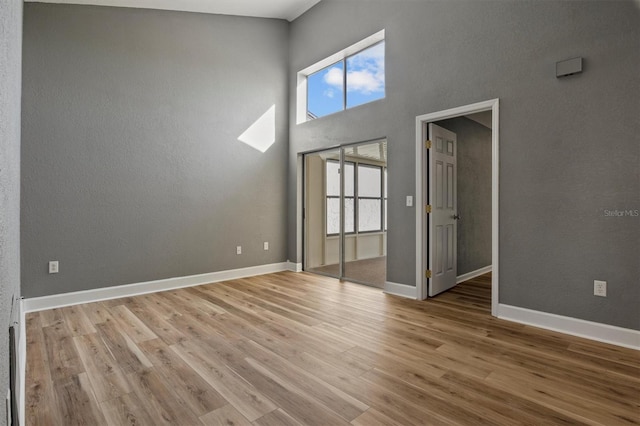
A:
x: 409, y: 200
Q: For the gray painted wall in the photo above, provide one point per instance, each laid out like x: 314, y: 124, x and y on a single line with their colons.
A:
x: 10, y: 75
x: 131, y: 167
x: 568, y: 147
x: 474, y: 193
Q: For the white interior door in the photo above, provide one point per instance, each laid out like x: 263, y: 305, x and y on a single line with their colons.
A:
x: 443, y: 217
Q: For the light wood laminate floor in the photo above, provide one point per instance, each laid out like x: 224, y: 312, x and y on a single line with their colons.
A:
x: 289, y: 349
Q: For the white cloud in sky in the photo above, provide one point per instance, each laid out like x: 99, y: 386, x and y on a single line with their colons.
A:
x: 365, y: 72
x: 333, y: 77
x: 364, y: 82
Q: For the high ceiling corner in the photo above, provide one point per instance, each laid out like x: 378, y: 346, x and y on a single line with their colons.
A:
x: 277, y: 9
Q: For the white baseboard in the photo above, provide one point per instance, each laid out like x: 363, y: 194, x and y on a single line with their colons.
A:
x: 402, y: 290
x: 22, y: 363
x: 473, y: 274
x: 576, y: 327
x: 115, y: 292
x: 294, y: 267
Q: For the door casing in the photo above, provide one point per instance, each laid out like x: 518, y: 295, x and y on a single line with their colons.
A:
x: 422, y: 261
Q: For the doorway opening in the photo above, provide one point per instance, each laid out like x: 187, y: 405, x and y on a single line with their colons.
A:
x: 439, y: 218
x: 344, y: 212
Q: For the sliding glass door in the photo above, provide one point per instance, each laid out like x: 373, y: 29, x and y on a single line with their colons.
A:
x: 322, y: 213
x: 345, y: 212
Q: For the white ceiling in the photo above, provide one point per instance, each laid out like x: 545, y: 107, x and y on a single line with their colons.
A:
x: 281, y: 9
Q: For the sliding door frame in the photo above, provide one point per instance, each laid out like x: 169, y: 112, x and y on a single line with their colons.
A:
x: 341, y: 242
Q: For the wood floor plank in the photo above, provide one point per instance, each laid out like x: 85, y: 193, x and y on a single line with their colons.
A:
x: 268, y: 304
x: 560, y: 399
x: 444, y: 407
x: 373, y: 417
x: 340, y: 402
x: 77, y: 321
x: 189, y: 302
x: 276, y: 418
x: 226, y: 415
x: 61, y: 352
x: 238, y: 392
x: 218, y: 297
x: 96, y: 312
x: 122, y: 348
x: 127, y: 409
x: 51, y: 317
x: 155, y: 322
x: 518, y: 409
x: 531, y: 360
x: 302, y: 349
x: 159, y: 400
x: 77, y: 403
x: 132, y: 325
x: 294, y: 400
x: 104, y: 373
x: 39, y: 391
x: 158, y: 304
x: 185, y: 382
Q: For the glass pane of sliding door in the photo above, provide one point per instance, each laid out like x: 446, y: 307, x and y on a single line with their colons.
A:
x: 322, y: 212
x: 364, y: 252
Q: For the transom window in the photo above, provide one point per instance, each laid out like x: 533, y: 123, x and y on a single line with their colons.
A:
x: 349, y: 78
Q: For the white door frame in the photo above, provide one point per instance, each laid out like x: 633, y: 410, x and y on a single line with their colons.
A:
x: 421, y: 222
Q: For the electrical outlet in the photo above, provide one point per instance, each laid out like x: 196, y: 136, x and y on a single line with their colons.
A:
x: 239, y: 250
x: 53, y: 267
x: 266, y: 245
x: 600, y: 288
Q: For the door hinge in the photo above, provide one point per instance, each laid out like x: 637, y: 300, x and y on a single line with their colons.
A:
x: 427, y: 144
x: 427, y: 273
x: 427, y: 208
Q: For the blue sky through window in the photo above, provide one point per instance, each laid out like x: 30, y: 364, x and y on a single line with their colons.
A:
x: 324, y: 96
x: 365, y: 82
x: 365, y: 76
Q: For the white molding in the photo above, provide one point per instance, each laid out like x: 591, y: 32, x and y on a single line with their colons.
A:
x: 348, y: 51
x: 421, y: 290
x: 115, y: 292
x: 301, y: 76
x: 473, y: 274
x: 495, y: 204
x: 294, y: 267
x: 22, y: 363
x: 576, y: 327
x: 492, y: 105
x: 402, y: 290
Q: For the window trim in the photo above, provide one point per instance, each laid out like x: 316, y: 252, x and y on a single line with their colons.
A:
x: 327, y: 197
x: 301, y: 91
x: 356, y: 197
x: 380, y: 198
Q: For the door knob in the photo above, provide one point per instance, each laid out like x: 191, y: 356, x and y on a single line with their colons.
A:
x: 456, y: 216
